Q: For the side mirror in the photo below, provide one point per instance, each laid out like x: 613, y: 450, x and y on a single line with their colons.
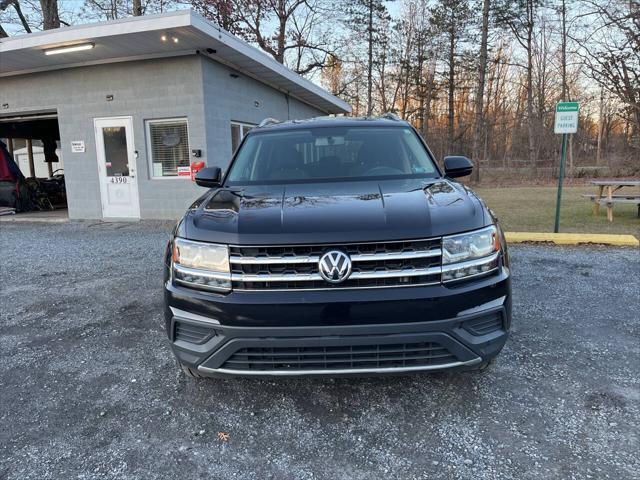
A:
x: 209, y: 177
x: 457, y: 166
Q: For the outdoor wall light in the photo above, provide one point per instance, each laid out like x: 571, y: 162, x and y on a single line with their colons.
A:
x: 163, y: 38
x: 69, y: 49
x: 109, y: 98
x: 175, y: 40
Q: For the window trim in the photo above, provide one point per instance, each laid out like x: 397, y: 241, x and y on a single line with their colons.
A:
x: 242, y: 135
x: 148, y: 123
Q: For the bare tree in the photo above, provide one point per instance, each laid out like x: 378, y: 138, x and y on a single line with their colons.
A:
x: 364, y: 18
x: 479, y: 101
x: 291, y: 31
x: 612, y: 51
x: 5, y: 4
x: 520, y: 16
x: 222, y: 12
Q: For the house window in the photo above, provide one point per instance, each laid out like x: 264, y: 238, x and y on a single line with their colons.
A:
x: 238, y: 131
x: 168, y: 147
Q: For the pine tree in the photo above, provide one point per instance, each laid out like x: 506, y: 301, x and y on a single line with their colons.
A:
x: 364, y: 18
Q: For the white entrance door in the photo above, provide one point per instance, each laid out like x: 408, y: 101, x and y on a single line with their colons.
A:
x: 117, y: 167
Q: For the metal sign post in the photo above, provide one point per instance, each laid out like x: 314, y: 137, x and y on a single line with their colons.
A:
x: 566, y: 122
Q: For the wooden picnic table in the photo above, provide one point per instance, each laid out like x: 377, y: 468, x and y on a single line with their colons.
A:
x: 605, y: 194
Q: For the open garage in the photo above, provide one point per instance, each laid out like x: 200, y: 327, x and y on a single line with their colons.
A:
x: 33, y: 143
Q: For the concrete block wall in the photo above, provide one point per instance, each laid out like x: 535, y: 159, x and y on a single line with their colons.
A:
x: 231, y: 96
x: 193, y: 86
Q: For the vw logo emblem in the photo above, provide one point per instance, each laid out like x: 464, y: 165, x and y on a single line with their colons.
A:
x: 335, y: 266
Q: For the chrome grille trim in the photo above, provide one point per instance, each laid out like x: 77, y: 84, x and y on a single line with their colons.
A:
x: 310, y: 277
x: 273, y: 260
x: 396, y: 263
x: 362, y: 257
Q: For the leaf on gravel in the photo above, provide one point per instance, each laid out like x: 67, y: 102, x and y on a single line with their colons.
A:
x: 223, y: 436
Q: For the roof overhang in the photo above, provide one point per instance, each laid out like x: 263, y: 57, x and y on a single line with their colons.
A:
x: 152, y: 36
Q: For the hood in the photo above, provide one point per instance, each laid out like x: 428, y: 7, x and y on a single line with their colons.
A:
x: 337, y: 212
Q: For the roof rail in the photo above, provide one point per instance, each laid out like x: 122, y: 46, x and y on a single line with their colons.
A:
x: 268, y: 121
x: 391, y: 116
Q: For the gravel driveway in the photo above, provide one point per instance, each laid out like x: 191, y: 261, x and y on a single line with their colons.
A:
x: 89, y: 387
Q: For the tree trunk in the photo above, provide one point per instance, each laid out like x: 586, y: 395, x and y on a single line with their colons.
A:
x: 370, y: 62
x: 427, y: 100
x: 600, y: 125
x: 479, y: 104
x: 450, y: 115
x: 3, y: 33
x: 282, y: 31
x: 530, y: 119
x: 137, y: 8
x: 50, y: 18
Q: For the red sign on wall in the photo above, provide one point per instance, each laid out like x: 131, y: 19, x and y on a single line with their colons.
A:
x: 195, y: 168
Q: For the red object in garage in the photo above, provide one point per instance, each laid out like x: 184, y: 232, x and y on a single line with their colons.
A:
x: 195, y: 168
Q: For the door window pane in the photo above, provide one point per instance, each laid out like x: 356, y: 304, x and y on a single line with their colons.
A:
x: 169, y: 145
x: 115, y: 151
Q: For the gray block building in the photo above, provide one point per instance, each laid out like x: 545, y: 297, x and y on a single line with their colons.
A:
x: 133, y: 103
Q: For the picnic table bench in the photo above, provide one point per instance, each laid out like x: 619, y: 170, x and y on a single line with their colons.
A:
x: 609, y: 199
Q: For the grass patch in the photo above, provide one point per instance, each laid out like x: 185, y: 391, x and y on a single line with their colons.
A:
x: 532, y: 209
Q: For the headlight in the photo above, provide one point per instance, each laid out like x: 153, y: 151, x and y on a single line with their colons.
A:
x: 201, y: 265
x: 470, y: 254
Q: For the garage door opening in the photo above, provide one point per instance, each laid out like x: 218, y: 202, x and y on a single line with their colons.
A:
x: 31, y: 166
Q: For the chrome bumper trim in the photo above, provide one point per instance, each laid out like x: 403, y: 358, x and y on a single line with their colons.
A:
x: 328, y: 371
x: 184, y: 315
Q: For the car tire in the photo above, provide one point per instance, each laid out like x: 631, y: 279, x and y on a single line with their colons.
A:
x: 190, y: 372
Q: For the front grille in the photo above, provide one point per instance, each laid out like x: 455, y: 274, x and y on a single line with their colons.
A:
x: 382, y: 264
x: 484, y: 325
x: 341, y: 357
x: 192, y: 333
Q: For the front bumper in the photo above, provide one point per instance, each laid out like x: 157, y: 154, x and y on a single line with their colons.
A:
x: 341, y: 332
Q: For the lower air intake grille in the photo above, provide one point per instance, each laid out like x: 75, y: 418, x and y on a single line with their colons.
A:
x: 340, y: 357
x: 484, y: 325
x: 191, y: 333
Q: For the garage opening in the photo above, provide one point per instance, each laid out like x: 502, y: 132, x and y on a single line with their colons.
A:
x: 31, y: 166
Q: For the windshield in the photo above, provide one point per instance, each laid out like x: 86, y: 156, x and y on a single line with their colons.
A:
x: 330, y: 153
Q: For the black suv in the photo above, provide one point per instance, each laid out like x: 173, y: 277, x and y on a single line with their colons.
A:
x: 336, y: 247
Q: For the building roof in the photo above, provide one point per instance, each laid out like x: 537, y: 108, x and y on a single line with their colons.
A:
x: 152, y: 36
